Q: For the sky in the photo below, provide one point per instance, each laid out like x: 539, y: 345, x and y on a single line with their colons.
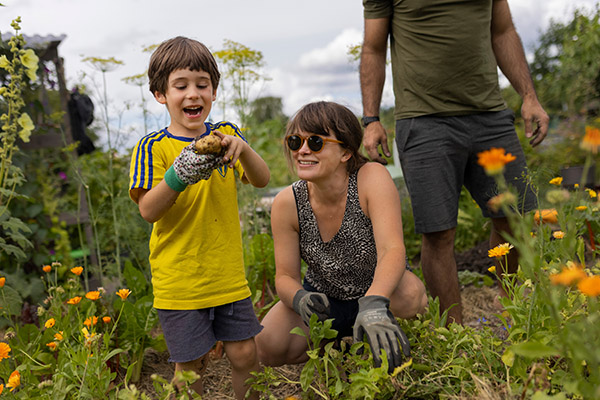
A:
x: 304, y: 43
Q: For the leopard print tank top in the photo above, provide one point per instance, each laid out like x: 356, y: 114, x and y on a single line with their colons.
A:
x: 342, y: 268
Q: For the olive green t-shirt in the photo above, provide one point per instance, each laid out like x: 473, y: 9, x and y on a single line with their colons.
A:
x: 442, y: 58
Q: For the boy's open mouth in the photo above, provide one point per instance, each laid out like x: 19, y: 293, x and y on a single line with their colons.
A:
x: 192, y: 111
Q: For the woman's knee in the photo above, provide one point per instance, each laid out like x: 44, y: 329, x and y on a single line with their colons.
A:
x: 410, y: 298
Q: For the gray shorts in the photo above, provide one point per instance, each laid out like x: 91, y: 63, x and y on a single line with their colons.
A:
x: 190, y: 334
x: 439, y: 155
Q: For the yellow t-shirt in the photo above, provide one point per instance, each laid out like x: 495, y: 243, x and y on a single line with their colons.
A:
x: 196, y: 255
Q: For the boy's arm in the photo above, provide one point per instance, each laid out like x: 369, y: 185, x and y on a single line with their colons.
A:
x: 256, y: 171
x: 154, y: 203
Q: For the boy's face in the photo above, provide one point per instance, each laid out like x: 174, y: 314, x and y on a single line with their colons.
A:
x: 188, y: 98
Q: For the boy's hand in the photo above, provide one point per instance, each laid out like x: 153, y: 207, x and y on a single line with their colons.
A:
x: 234, y: 147
x: 191, y: 167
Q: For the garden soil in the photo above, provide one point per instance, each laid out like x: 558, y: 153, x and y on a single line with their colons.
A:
x: 478, y: 305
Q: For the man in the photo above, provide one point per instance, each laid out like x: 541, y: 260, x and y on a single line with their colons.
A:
x: 448, y: 108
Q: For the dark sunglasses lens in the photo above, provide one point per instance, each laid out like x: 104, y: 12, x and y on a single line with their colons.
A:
x: 315, y: 143
x: 294, y: 142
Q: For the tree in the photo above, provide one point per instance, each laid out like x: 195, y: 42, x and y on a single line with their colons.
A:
x: 566, y: 65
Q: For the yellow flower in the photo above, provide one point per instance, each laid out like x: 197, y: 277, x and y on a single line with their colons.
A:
x: 590, y: 286
x: 52, y: 345
x: 77, y: 270
x: 47, y: 268
x: 106, y: 319
x: 4, y: 350
x: 50, y: 323
x: 591, y: 139
x: 89, y: 337
x: 592, y: 193
x: 93, y: 295
x: 30, y: 61
x: 556, y: 181
x: 26, y: 127
x: 558, y: 234
x: 492, y: 269
x: 549, y: 215
x: 2, y: 282
x: 90, y: 321
x: 581, y: 208
x: 568, y: 275
x: 123, y: 293
x: 74, y: 301
x: 4, y: 63
x: 494, y: 160
x: 14, y: 380
x: 500, y: 250
x: 59, y: 336
x: 576, y: 186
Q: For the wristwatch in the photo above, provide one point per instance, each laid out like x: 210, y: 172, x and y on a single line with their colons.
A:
x: 367, y: 120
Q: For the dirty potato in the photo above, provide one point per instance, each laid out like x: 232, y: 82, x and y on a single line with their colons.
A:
x: 210, y: 144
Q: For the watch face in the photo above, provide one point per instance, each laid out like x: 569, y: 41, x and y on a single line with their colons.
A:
x: 367, y: 120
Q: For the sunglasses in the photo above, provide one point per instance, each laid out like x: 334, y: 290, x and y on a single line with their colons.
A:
x: 315, y: 142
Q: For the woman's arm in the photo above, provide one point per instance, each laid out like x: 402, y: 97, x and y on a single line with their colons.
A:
x: 284, y: 224
x: 381, y: 202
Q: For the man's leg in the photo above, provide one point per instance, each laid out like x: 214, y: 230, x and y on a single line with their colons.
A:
x: 440, y: 272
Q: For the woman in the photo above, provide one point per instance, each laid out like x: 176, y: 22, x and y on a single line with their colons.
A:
x: 343, y: 218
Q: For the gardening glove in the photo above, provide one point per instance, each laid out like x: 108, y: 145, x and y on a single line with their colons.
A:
x: 190, y: 167
x: 307, y: 303
x: 383, y: 332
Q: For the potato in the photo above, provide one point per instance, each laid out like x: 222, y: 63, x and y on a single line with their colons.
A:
x: 209, y: 144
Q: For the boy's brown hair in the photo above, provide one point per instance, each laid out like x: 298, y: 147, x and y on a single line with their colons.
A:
x: 327, y: 118
x: 180, y: 53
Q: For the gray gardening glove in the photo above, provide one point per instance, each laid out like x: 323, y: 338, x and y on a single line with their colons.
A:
x: 307, y: 303
x: 191, y: 167
x: 375, y: 320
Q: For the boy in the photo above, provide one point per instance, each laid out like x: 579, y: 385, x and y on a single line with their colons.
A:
x: 198, y: 278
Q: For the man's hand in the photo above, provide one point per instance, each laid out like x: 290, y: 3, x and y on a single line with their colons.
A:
x: 376, y: 321
x: 374, y: 137
x: 307, y: 303
x: 533, y: 113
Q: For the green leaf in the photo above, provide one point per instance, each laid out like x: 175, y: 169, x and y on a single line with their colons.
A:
x: 10, y: 301
x: 533, y: 349
x: 543, y: 396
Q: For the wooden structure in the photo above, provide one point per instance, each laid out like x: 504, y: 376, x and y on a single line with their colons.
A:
x: 46, y: 48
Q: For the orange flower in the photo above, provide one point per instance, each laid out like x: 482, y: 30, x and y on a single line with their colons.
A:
x: 1, y: 388
x: 2, y: 282
x: 77, y: 270
x: 90, y: 321
x: 556, y: 181
x: 558, y: 234
x: 4, y: 350
x: 106, y: 319
x: 500, y: 250
x: 591, y: 140
x: 47, y: 268
x: 590, y: 286
x: 14, y: 380
x: 93, y: 295
x: 123, y: 293
x: 494, y: 160
x: 59, y: 336
x: 549, y: 215
x: 568, y: 276
x: 581, y: 208
x: 74, y: 301
x: 50, y: 323
x: 52, y: 345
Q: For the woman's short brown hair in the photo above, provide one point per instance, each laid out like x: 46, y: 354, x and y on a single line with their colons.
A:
x: 330, y: 119
x: 180, y: 53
